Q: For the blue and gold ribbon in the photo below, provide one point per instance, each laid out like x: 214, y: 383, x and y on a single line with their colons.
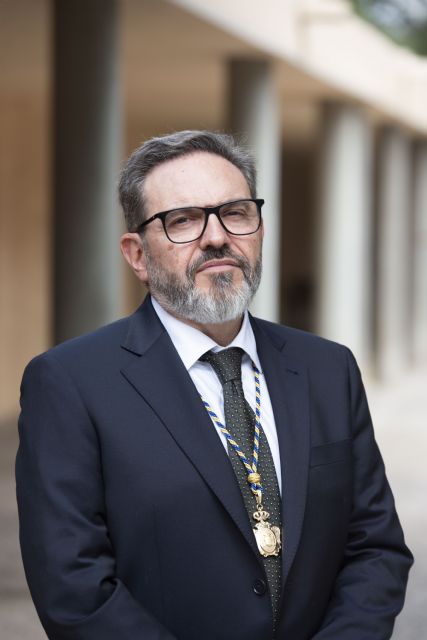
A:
x: 253, y: 477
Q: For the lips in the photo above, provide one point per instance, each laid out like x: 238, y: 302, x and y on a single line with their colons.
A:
x: 211, y: 264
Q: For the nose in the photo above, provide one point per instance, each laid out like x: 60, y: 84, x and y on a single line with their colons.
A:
x: 214, y: 235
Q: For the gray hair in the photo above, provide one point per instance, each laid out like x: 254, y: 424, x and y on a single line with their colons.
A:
x: 162, y: 148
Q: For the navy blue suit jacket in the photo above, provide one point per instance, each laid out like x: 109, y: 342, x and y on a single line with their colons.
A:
x: 132, y: 523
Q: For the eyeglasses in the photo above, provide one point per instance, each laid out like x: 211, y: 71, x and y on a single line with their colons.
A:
x: 186, y: 224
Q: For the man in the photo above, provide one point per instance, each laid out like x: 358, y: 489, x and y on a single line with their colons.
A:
x: 191, y: 472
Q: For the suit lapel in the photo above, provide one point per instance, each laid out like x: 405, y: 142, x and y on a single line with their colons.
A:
x: 160, y: 377
x: 288, y: 389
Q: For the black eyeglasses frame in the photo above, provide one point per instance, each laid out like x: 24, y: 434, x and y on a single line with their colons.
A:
x: 207, y: 211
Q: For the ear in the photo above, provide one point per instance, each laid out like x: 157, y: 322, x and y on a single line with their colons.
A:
x: 133, y: 252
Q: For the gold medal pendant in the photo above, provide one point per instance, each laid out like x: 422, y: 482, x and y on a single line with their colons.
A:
x: 266, y: 535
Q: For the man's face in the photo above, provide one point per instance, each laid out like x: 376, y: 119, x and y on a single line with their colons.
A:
x: 211, y: 279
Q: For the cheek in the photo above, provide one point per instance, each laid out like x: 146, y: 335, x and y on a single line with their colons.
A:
x: 250, y: 248
x: 176, y: 258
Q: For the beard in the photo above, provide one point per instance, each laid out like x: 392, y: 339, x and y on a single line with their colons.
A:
x: 224, y: 299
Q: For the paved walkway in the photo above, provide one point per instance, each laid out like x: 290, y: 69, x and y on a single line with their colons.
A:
x: 399, y: 411
x: 400, y: 415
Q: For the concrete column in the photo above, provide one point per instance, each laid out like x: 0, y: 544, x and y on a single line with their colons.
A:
x: 345, y: 229
x: 420, y: 255
x: 253, y: 114
x: 86, y: 163
x: 394, y: 259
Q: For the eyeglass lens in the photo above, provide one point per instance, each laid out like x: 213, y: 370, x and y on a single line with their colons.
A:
x: 185, y: 225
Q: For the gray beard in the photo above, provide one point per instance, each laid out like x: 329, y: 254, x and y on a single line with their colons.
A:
x: 223, y: 302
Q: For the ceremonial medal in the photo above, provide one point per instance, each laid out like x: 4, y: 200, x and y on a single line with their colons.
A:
x: 267, y: 536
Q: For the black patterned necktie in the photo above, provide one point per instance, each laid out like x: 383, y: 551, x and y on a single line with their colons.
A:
x: 240, y: 421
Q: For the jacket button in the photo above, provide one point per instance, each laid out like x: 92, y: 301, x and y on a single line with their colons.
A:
x: 259, y: 587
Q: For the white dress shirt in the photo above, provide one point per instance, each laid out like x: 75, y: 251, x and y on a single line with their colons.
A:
x: 191, y: 343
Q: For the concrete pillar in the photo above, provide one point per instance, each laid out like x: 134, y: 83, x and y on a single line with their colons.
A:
x: 394, y: 259
x: 253, y: 114
x: 345, y: 229
x: 86, y: 163
x: 420, y: 255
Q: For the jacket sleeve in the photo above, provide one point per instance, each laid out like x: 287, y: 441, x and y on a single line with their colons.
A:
x: 370, y: 588
x: 66, y: 549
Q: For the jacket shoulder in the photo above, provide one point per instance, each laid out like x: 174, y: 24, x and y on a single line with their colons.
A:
x: 100, y: 346
x: 286, y: 333
x: 303, y: 345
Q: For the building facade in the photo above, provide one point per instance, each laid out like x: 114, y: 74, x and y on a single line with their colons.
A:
x: 334, y: 112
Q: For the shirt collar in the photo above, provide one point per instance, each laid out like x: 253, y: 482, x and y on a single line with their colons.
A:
x: 191, y: 343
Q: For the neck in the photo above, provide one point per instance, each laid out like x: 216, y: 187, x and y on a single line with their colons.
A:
x: 222, y: 333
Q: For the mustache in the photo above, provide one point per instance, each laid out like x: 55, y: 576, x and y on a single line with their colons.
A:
x: 217, y: 254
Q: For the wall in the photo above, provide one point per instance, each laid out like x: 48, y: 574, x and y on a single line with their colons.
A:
x: 24, y: 191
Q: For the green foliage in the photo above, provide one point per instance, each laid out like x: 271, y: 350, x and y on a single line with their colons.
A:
x: 404, y: 21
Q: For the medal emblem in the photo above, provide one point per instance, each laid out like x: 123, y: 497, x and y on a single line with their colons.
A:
x: 267, y: 536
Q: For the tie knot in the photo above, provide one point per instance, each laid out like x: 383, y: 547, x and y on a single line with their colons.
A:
x: 227, y: 364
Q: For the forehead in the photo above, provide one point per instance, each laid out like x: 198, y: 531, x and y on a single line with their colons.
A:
x: 200, y: 179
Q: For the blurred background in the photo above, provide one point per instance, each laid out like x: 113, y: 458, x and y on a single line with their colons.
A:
x: 331, y: 95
